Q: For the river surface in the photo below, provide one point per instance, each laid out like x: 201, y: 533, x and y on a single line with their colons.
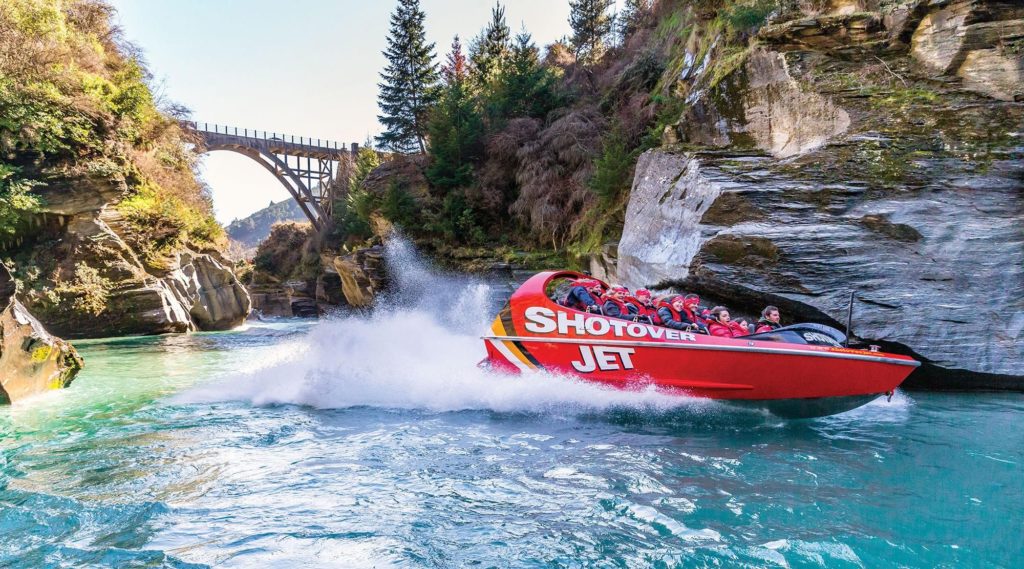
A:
x: 374, y: 441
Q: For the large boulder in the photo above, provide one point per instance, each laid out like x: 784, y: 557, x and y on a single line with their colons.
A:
x: 362, y: 274
x: 210, y: 290
x: 31, y: 360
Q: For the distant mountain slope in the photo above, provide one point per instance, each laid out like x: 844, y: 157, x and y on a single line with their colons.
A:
x: 255, y: 228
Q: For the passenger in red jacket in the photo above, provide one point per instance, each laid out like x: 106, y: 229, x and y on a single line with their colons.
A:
x: 644, y: 305
x: 722, y: 325
x: 770, y: 320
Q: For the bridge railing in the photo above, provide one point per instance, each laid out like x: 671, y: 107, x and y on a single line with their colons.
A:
x: 268, y: 136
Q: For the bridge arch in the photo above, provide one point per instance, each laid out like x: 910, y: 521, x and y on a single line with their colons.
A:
x: 306, y: 167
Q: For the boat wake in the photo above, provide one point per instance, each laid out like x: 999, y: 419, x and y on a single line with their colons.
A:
x: 417, y: 350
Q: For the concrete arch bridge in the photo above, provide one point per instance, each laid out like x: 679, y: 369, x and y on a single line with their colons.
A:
x: 306, y: 167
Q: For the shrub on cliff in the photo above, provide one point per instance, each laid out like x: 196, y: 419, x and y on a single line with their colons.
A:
x: 76, y: 105
x: 281, y: 253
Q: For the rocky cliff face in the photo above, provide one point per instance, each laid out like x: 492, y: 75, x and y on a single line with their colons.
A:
x: 877, y: 152
x: 85, y: 280
x: 31, y: 360
x: 362, y: 275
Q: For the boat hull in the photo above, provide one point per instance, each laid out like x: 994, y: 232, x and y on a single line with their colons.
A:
x: 787, y: 379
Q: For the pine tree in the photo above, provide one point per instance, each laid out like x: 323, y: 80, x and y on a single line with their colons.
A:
x: 591, y: 25
x: 455, y: 67
x: 409, y: 81
x: 634, y: 15
x: 525, y: 88
x: 456, y: 128
x: 491, y: 49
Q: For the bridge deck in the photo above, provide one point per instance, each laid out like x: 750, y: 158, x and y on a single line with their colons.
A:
x: 273, y: 142
x: 306, y: 167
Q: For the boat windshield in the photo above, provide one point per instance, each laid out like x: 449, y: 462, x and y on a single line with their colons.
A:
x: 803, y: 333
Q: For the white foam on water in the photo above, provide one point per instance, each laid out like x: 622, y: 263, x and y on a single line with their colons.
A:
x: 419, y: 349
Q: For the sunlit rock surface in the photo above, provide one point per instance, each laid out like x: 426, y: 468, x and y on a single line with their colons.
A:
x: 31, y: 360
x: 362, y: 275
x: 661, y: 234
x: 762, y: 106
x: 979, y: 41
x: 210, y: 291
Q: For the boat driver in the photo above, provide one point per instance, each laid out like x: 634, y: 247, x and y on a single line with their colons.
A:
x: 770, y: 320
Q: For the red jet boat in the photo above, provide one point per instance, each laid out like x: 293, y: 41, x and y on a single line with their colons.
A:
x: 797, y: 371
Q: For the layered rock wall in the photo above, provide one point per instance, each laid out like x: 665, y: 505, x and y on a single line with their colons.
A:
x: 938, y: 271
x: 198, y: 293
x: 187, y: 291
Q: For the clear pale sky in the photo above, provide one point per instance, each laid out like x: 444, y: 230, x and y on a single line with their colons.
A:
x: 304, y: 68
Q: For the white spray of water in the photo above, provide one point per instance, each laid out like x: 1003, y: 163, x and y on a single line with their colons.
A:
x: 418, y: 350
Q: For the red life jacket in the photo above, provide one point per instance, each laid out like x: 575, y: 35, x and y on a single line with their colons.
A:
x: 642, y: 310
x: 623, y: 309
x: 694, y: 317
x: 675, y: 313
x: 576, y: 303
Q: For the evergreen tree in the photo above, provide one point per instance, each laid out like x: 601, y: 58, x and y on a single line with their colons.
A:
x: 456, y: 128
x: 634, y: 15
x: 490, y: 50
x: 525, y: 88
x: 591, y: 25
x: 409, y: 81
x: 352, y: 214
x: 367, y: 159
x: 455, y: 67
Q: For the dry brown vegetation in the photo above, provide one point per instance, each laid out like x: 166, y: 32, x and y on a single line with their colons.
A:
x: 282, y: 253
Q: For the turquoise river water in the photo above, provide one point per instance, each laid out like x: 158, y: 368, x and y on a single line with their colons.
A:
x: 376, y: 442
